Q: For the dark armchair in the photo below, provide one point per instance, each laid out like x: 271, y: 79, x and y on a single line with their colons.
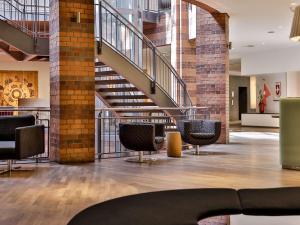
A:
x: 142, y: 137
x: 20, y: 138
x: 199, y: 132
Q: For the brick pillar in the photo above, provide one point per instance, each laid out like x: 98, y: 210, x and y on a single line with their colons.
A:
x: 212, y: 66
x: 183, y: 49
x: 72, y: 81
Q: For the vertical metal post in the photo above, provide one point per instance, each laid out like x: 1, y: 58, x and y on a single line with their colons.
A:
x: 99, y: 135
x: 153, y: 83
x: 99, y: 43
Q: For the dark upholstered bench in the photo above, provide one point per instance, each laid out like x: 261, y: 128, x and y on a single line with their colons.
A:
x: 187, y: 207
x: 20, y: 138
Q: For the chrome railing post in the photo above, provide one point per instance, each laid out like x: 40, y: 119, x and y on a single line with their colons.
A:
x: 99, y: 134
x: 153, y: 83
x: 99, y: 43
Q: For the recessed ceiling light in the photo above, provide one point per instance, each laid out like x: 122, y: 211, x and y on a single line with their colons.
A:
x: 271, y: 32
x: 263, y: 43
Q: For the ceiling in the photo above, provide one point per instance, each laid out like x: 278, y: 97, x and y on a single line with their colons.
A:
x: 251, y: 20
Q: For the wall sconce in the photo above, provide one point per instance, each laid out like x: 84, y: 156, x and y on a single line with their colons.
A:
x: 232, y: 98
x: 253, y: 92
x: 295, y: 32
x: 76, y: 18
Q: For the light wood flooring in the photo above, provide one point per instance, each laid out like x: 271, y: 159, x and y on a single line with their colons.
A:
x: 52, y: 193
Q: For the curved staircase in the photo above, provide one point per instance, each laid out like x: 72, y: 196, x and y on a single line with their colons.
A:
x: 130, y: 72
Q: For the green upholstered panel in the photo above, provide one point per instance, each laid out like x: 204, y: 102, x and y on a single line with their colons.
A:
x: 290, y: 132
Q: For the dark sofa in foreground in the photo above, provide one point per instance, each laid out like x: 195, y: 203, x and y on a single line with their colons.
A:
x: 187, y: 207
x: 20, y: 138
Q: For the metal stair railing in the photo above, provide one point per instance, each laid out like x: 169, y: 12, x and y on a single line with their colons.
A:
x: 29, y: 16
x: 120, y: 34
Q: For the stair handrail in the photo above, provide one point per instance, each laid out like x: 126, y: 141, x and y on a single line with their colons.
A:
x: 19, y: 16
x: 102, y: 4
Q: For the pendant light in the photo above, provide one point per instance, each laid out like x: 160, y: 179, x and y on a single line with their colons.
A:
x: 295, y: 32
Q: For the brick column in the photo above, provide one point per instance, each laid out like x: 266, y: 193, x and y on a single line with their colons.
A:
x: 72, y: 81
x: 212, y: 66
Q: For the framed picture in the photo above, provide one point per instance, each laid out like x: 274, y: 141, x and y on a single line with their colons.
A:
x: 278, y: 89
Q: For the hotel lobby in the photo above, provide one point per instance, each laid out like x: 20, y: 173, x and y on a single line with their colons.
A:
x: 149, y: 112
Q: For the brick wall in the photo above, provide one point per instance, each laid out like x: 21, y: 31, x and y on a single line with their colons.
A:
x: 203, y: 63
x: 72, y: 81
x: 212, y: 70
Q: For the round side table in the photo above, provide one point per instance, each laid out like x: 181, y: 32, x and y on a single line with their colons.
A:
x: 174, y: 144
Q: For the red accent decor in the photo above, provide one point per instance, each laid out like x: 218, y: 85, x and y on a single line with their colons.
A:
x: 267, y: 93
x: 261, y: 107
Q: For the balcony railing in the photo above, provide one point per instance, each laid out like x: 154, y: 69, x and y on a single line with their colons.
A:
x: 107, y: 126
x: 30, y: 16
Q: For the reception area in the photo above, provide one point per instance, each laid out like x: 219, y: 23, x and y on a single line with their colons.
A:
x: 149, y: 112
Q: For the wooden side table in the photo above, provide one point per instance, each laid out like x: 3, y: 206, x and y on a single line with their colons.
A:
x: 174, y: 144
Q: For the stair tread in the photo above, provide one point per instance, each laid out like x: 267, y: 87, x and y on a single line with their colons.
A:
x: 132, y: 104
x: 106, y: 73
x: 123, y: 89
x: 111, y: 81
x: 126, y: 97
x: 134, y: 111
x: 99, y: 64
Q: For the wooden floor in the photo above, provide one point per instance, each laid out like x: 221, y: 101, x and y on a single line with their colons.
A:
x: 53, y: 193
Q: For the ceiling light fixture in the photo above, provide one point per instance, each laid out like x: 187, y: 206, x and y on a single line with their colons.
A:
x: 295, y: 31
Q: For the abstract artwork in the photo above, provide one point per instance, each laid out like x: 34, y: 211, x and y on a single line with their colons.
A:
x: 17, y: 84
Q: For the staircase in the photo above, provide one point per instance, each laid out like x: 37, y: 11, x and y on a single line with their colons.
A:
x: 24, y: 30
x: 130, y: 72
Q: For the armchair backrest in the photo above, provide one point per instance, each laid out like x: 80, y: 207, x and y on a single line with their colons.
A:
x: 8, y: 125
x: 138, y: 137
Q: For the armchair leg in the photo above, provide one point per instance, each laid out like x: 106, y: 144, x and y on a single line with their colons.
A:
x: 141, y: 156
x: 141, y: 159
x: 8, y: 169
x: 197, y: 152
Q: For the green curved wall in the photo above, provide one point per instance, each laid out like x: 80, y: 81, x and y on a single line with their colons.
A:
x: 290, y: 133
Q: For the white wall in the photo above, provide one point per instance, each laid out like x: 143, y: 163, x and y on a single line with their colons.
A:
x: 270, y: 80
x: 43, y: 69
x: 293, y: 84
x: 276, y: 61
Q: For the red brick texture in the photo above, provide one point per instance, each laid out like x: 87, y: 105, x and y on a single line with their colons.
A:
x: 72, y: 81
x: 203, y: 63
x: 212, y: 72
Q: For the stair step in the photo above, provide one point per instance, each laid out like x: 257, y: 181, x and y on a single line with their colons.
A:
x: 124, y: 89
x: 126, y: 97
x: 117, y: 81
x: 133, y: 104
x: 122, y: 112
x: 99, y: 64
x: 106, y: 73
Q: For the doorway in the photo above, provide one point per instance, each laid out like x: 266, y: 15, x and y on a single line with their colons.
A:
x: 243, y: 101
